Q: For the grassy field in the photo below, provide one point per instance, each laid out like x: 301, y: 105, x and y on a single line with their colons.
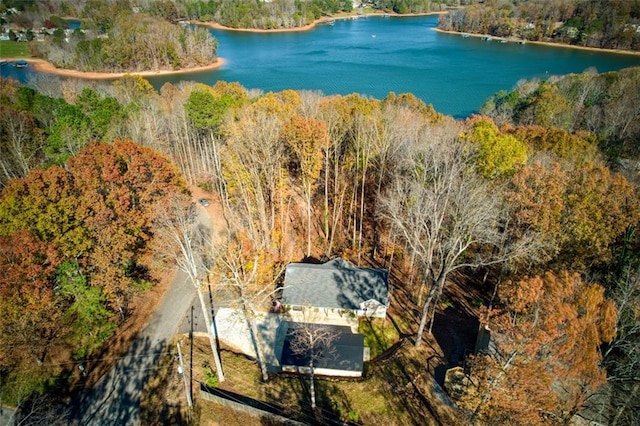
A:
x: 14, y: 49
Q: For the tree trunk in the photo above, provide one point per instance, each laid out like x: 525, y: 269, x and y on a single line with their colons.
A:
x: 423, y: 319
x: 326, y: 202
x: 439, y: 287
x: 256, y: 345
x: 312, y: 387
x: 212, y: 338
x: 434, y: 291
x: 308, y: 191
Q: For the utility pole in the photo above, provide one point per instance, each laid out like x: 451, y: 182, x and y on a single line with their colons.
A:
x: 184, y: 376
x: 191, y: 356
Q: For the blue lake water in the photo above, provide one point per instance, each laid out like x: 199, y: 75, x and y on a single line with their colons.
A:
x: 376, y: 55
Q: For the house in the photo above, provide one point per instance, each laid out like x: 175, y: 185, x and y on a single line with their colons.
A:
x: 336, y: 288
x: 342, y: 357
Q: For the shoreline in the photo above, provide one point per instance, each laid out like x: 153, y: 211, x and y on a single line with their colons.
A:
x: 546, y: 43
x: 46, y: 67
x: 312, y: 25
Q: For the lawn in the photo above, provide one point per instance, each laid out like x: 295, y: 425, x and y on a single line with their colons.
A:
x: 14, y: 49
x: 396, y: 389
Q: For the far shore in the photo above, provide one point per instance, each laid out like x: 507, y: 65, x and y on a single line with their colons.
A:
x: 544, y: 43
x: 312, y: 25
x: 46, y: 67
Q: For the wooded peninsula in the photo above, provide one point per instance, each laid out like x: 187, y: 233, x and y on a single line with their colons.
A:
x: 122, y: 37
x: 521, y: 221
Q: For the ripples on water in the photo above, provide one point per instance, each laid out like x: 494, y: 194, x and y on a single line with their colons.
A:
x: 375, y: 56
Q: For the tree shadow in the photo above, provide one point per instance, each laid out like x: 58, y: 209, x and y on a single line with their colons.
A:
x: 116, y: 398
x: 455, y: 331
x: 295, y: 388
x: 166, y: 379
x: 356, y: 284
x: 402, y: 394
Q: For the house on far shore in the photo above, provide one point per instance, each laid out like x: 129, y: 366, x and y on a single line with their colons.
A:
x: 334, y: 291
x: 343, y: 357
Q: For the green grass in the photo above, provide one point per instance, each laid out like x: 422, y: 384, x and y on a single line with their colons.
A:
x: 379, y: 335
x: 14, y: 49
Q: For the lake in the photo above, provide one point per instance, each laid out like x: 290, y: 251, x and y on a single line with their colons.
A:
x: 378, y: 55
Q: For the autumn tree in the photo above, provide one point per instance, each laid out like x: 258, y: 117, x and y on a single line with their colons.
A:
x: 311, y: 342
x: 32, y: 324
x: 248, y: 272
x: 578, y: 148
x: 578, y: 213
x: 498, y: 154
x: 304, y: 138
x: 444, y: 211
x: 545, y: 358
x: 255, y: 173
x: 97, y: 212
x: 182, y: 240
x: 208, y: 108
x: 337, y: 113
x: 120, y: 185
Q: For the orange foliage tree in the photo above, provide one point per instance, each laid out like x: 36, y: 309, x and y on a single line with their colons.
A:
x: 31, y: 323
x: 578, y: 213
x: 544, y: 359
x: 305, y: 137
x: 74, y: 248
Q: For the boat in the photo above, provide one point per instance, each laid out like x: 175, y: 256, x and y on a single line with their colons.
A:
x: 465, y: 35
x: 3, y: 62
x: 503, y: 41
x: 20, y: 63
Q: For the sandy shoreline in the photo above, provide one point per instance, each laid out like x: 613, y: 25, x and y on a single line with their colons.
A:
x: 312, y: 25
x: 545, y: 43
x: 46, y: 67
x: 43, y: 66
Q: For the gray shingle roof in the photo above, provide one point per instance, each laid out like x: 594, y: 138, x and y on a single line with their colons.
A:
x: 334, y: 284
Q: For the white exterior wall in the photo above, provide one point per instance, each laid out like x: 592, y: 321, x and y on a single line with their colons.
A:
x: 328, y: 316
x: 321, y: 371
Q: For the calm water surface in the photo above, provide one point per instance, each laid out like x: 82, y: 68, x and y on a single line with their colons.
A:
x: 376, y: 55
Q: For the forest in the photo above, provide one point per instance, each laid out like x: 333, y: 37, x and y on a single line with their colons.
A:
x: 115, y: 37
x: 126, y: 36
x: 608, y: 24
x: 535, y: 205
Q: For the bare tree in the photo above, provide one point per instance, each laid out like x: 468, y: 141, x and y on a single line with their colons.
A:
x: 313, y: 342
x: 187, y: 243
x: 248, y: 273
x: 622, y: 357
x: 39, y: 409
x: 20, y: 143
x: 443, y: 211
